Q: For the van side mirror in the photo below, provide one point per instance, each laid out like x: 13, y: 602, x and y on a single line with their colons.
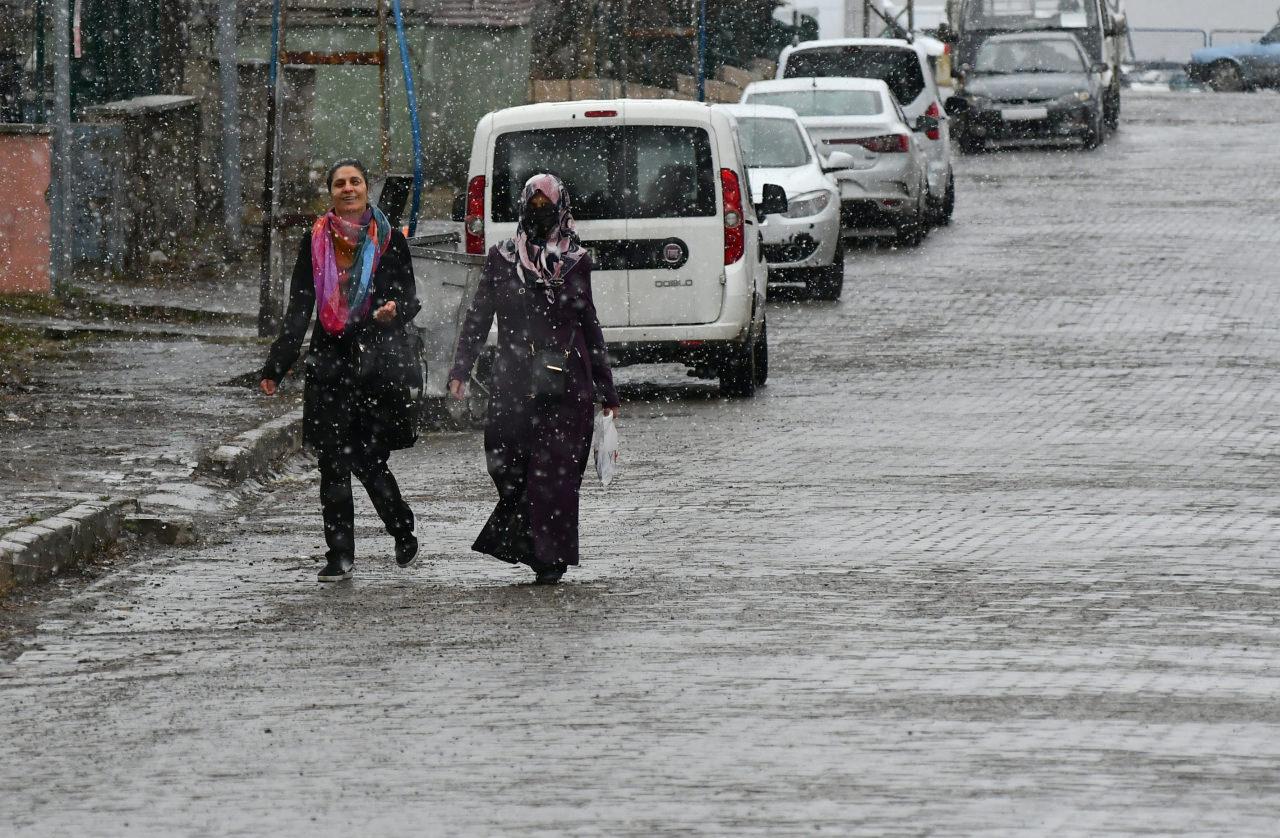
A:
x: 946, y: 34
x: 838, y: 160
x: 775, y: 200
x: 956, y: 106
x: 1100, y: 67
x: 459, y: 212
x: 926, y: 123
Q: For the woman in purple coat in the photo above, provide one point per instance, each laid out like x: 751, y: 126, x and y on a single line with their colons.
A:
x: 539, y: 286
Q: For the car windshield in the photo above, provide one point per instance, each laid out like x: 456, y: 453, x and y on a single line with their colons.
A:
x: 772, y: 143
x: 647, y: 171
x: 822, y: 102
x: 895, y: 66
x: 1006, y: 15
x: 1029, y: 56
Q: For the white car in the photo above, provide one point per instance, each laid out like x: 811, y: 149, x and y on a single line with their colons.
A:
x: 660, y: 193
x: 803, y: 244
x: 883, y: 191
x: 909, y: 70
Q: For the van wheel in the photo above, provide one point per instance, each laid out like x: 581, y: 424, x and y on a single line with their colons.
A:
x: 1112, y: 108
x: 738, y: 374
x: 827, y: 283
x: 762, y: 355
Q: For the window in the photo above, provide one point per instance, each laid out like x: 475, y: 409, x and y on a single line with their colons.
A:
x: 896, y: 67
x: 1030, y: 14
x: 673, y: 176
x: 610, y: 172
x: 822, y: 102
x: 1023, y: 55
x: 772, y: 143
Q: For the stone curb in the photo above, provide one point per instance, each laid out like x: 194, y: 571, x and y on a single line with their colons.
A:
x: 41, y: 550
x: 254, y: 452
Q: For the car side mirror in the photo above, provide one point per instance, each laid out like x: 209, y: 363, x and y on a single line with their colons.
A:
x: 459, y: 212
x: 775, y: 200
x: 926, y: 123
x: 956, y: 106
x: 838, y: 160
x: 1100, y: 67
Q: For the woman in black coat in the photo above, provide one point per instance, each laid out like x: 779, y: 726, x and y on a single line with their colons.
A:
x: 539, y: 286
x: 355, y: 272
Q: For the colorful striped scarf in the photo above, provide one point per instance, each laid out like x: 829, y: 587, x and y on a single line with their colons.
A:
x: 344, y: 296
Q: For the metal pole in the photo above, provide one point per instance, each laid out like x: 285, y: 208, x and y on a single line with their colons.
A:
x: 61, y: 160
x: 41, y: 116
x: 229, y: 81
x: 626, y: 46
x: 866, y: 18
x: 702, y: 50
x: 268, y: 319
x: 384, y: 119
x: 911, y: 20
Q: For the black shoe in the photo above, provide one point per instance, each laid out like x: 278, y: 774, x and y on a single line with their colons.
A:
x: 550, y: 575
x: 336, y: 570
x: 406, y: 550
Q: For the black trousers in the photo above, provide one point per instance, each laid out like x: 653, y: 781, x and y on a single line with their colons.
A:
x: 369, y: 465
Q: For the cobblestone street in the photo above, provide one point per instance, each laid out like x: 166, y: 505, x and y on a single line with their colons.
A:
x: 993, y: 552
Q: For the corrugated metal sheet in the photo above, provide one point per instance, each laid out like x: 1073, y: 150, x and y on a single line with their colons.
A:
x: 496, y: 13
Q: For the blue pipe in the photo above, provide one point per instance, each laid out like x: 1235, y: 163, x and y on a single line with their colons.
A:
x: 414, y: 127
x: 275, y: 45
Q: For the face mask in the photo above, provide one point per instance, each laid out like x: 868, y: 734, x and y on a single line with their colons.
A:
x: 539, y: 221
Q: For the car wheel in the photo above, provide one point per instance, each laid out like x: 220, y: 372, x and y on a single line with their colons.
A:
x: 738, y: 375
x: 1097, y: 134
x: 827, y: 282
x: 946, y: 208
x: 1111, y: 108
x: 762, y: 355
x: 970, y: 144
x: 1224, y: 77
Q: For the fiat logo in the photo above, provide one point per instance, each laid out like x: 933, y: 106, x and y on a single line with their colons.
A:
x: 672, y: 253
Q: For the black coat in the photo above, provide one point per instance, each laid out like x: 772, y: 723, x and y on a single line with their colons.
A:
x: 536, y: 451
x: 339, y: 411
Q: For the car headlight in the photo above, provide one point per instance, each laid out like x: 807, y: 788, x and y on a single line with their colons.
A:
x: 1077, y: 98
x: 803, y: 206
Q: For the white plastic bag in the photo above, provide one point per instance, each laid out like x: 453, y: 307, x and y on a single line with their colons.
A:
x: 604, y: 447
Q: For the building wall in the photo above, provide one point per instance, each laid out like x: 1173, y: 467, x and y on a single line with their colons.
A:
x: 461, y: 73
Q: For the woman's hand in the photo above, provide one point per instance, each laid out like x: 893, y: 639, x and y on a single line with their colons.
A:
x: 386, y: 314
x: 609, y: 411
x: 267, y: 386
x: 457, y: 389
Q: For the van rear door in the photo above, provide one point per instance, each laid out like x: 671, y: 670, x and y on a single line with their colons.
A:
x: 675, y: 246
x: 588, y: 160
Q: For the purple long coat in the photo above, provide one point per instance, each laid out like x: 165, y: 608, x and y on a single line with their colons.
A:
x: 536, y: 452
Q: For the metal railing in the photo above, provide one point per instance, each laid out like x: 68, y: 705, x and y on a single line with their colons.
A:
x: 1251, y: 35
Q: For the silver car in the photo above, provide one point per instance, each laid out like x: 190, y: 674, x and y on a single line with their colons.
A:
x: 803, y: 244
x: 884, y: 191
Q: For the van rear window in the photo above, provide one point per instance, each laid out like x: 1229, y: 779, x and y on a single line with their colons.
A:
x: 611, y: 172
x: 898, y: 68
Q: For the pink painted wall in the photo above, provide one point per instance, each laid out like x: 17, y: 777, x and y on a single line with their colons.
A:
x: 24, y: 214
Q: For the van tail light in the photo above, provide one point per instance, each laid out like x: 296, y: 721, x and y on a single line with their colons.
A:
x: 473, y: 222
x: 884, y: 144
x: 936, y: 113
x: 734, y: 234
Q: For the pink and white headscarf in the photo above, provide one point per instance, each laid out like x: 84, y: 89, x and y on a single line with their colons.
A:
x: 547, y: 263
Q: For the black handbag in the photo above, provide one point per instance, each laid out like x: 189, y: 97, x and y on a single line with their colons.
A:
x: 393, y: 356
x: 548, y: 368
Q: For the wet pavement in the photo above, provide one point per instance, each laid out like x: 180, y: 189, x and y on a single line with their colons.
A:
x: 992, y: 552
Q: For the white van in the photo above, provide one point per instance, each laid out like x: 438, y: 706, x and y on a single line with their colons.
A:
x: 662, y: 200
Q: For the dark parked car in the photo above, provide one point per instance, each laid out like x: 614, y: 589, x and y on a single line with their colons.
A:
x: 1239, y: 66
x: 1029, y: 86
